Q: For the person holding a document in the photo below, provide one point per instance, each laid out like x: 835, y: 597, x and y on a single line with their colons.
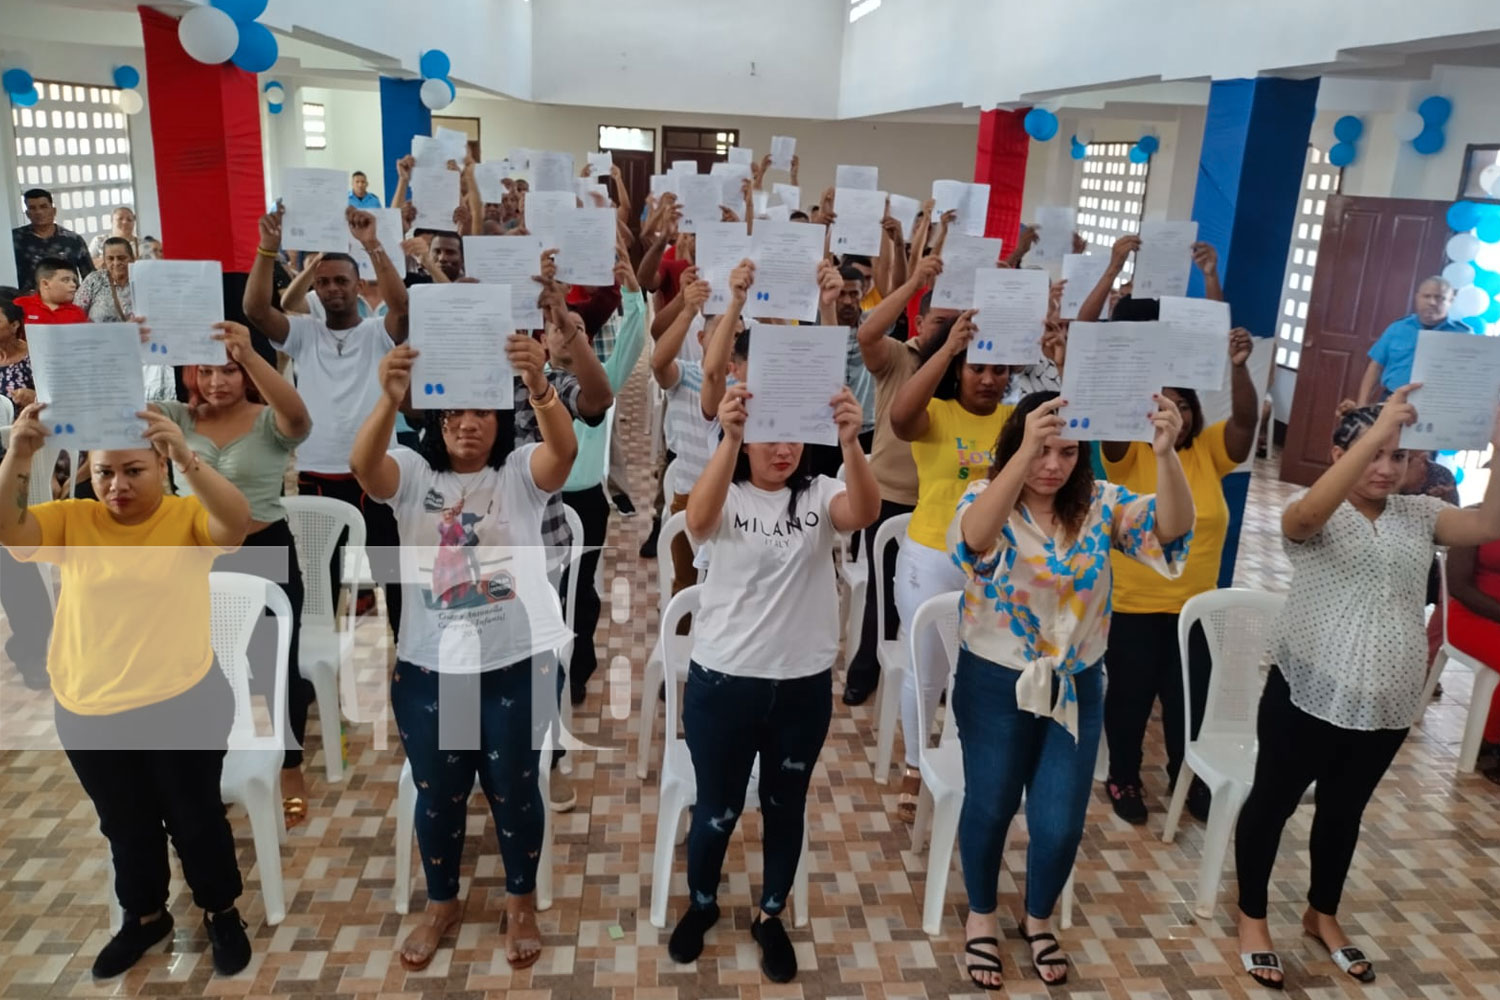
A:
x: 143, y: 710
x: 1349, y: 663
x: 764, y: 641
x: 1143, y: 659
x: 483, y: 618
x: 1391, y: 355
x: 1033, y: 539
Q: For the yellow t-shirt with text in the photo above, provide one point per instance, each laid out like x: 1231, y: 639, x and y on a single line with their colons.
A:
x: 1140, y: 589
x: 132, y: 622
x: 956, y: 450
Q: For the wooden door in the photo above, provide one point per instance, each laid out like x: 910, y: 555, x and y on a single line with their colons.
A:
x: 1373, y: 255
x: 636, y: 167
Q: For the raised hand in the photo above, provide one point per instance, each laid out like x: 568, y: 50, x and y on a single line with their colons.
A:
x: 848, y: 415
x: 528, y: 359
x: 404, y: 165
x: 733, y: 412
x: 166, y: 437
x: 1168, y: 423
x: 270, y: 228
x: 928, y: 269
x: 962, y: 332
x: 1123, y: 248
x: 362, y: 227
x: 236, y: 340
x: 395, y: 372
x: 695, y: 294
x: 1206, y: 257
x: 27, y: 433
x: 830, y: 283
x: 740, y: 280
x: 1240, y: 346
x: 1397, y: 412
x: 624, y: 273
x: 1043, y: 424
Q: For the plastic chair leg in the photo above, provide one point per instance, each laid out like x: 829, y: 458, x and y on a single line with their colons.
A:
x: 1101, y: 762
x: 854, y: 620
x: 668, y: 816
x: 325, y: 682
x: 265, y: 816
x: 1221, y: 818
x: 1179, y: 798
x: 889, y: 692
x: 1485, y: 682
x: 1067, y: 907
x: 406, y: 816
x: 800, y: 916
x: 1433, y: 676
x: 647, y: 722
x: 939, y: 861
x: 921, y: 827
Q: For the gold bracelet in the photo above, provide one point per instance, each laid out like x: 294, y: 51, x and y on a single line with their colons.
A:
x: 546, y: 400
x: 271, y: 254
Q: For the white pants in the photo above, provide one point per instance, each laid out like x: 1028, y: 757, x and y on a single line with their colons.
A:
x: 921, y: 573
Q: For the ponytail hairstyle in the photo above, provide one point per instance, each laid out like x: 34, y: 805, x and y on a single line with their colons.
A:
x: 1073, y: 499
x: 1354, y: 423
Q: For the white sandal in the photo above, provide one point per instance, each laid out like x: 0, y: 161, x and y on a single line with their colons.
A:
x: 1266, y: 961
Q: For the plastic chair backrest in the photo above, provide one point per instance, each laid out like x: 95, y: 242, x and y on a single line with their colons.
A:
x: 575, y: 557
x: 674, y: 526
x: 669, y: 478
x: 939, y: 612
x: 43, y: 465
x: 893, y: 530
x: 1442, y: 609
x: 1238, y: 624
x: 683, y: 604
x: 609, y: 433
x: 7, y: 411
x: 316, y: 523
x: 238, y: 601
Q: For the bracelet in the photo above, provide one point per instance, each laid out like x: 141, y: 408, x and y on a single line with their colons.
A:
x: 546, y: 400
x: 190, y: 469
x: 271, y: 254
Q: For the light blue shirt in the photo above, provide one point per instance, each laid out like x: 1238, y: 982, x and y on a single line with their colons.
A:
x: 1398, y: 345
x: 590, y: 464
x: 368, y: 201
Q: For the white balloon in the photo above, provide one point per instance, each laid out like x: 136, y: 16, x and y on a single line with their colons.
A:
x: 1459, y: 273
x: 1463, y: 246
x: 275, y: 95
x: 1471, y: 300
x: 1488, y: 256
x: 208, y: 35
x: 1489, y: 179
x: 1408, y: 125
x: 436, y: 95
x: 1085, y: 135
x: 130, y: 101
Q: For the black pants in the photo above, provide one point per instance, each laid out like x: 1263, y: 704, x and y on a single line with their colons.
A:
x: 272, y: 553
x: 143, y: 795
x: 1296, y: 750
x: 592, y: 508
x: 864, y: 669
x: 381, y: 537
x: 1143, y: 664
x: 728, y: 721
x: 23, y: 598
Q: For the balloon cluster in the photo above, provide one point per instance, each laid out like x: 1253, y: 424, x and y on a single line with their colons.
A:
x: 1040, y: 124
x: 1080, y: 148
x: 227, y: 31
x: 1145, y: 147
x: 1347, y: 131
x: 1423, y: 128
x: 1474, y: 250
x: 127, y: 78
x: 275, y: 95
x: 437, y: 90
x: 20, y: 87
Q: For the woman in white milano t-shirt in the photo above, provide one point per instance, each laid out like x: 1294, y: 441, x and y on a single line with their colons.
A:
x: 764, y: 642
x: 1349, y: 659
x: 479, y: 624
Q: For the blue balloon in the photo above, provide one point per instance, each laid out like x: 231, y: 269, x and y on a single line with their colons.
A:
x: 1488, y: 230
x: 1149, y: 144
x: 1488, y: 280
x: 1492, y: 314
x: 1342, y: 154
x: 26, y: 99
x: 1430, y: 141
x: 1435, y: 110
x: 17, y: 81
x: 435, y: 63
x: 257, y: 50
x: 452, y: 90
x: 127, y: 77
x: 243, y: 11
x: 1458, y: 476
x: 1463, y: 216
x: 271, y: 83
x: 1079, y: 151
x: 274, y: 109
x: 1475, y: 323
x: 1138, y: 155
x: 1348, y: 129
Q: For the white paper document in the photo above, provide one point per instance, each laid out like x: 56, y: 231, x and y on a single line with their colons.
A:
x: 520, y: 158
x: 490, y: 177
x: 1055, y: 224
x: 388, y: 231
x: 513, y: 261
x: 732, y: 178
x: 600, y: 164
x: 86, y: 373
x: 427, y: 152
x: 962, y: 257
x: 1081, y: 272
x: 857, y: 229
x: 453, y: 143
x: 586, y: 247
x: 1113, y: 371
x: 760, y: 201
x: 720, y: 248
x: 794, y: 373
x: 741, y: 154
x: 434, y: 192
x: 970, y: 201
x: 699, y: 195
x: 459, y: 333
x: 545, y: 211
x: 783, y: 148
x: 663, y: 184
x: 315, y: 202
x: 789, y: 195
x: 552, y: 171
x: 181, y: 301
x: 904, y: 210
x: 776, y: 213
x: 1197, y: 334
x: 1165, y: 259
x: 786, y: 256
x: 1460, y: 376
x: 684, y: 166
x: 1012, y: 316
x: 861, y: 178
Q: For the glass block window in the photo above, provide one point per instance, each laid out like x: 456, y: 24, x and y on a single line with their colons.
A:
x: 314, y: 126
x: 1111, y: 196
x: 1319, y: 179
x: 75, y: 142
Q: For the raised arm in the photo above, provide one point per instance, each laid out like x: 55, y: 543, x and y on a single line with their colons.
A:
x: 667, y: 315
x: 830, y: 283
x: 1027, y: 240
x: 403, y: 180
x: 1369, y: 382
x: 294, y: 297
x: 472, y: 201
x: 19, y: 531
x: 664, y: 355
x: 569, y: 347
x: 1206, y: 257
x: 292, y: 418
x: 720, y: 346
x: 392, y: 287
x: 859, y: 505
x: 990, y: 510
x: 1093, y: 304
x: 872, y: 332
x: 260, y: 287
x: 622, y: 196
x: 705, y: 506
x: 631, y: 338
x: 377, y: 473
x: 1474, y: 526
x: 228, y: 510
x: 919, y: 236
x: 890, y: 266
x: 1174, y: 498
x: 1239, y: 432
x: 909, y: 408
x: 551, y: 463
x: 1306, y: 516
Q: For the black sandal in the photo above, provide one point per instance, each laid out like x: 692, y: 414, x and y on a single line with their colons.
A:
x: 1039, y: 959
x: 1346, y: 958
x: 1257, y: 962
x: 991, y: 961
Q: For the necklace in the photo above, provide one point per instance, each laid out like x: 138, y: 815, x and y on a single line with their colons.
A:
x: 466, y: 483
x: 339, y: 342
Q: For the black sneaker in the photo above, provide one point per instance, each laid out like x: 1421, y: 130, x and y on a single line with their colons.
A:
x: 648, y: 547
x: 132, y: 942
x: 1199, y: 798
x: 1125, y: 796
x: 686, y: 943
x: 778, y: 960
x: 623, y: 505
x: 856, y: 694
x: 231, y: 948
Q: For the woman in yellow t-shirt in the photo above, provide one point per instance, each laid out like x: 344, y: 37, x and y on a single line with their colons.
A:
x: 950, y: 411
x: 1142, y: 661
x: 141, y: 709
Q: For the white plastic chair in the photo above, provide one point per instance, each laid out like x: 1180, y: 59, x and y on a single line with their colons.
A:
x: 891, y: 654
x: 570, y: 608
x: 679, y: 784
x: 655, y: 663
x: 856, y: 576
x: 316, y: 523
x: 406, y: 814
x: 7, y: 417
x: 1238, y: 624
x: 1485, y: 681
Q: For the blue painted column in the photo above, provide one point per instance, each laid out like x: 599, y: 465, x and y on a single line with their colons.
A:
x: 402, y: 115
x: 1249, y: 180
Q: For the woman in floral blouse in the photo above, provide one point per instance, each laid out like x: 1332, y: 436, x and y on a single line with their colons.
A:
x: 1034, y: 543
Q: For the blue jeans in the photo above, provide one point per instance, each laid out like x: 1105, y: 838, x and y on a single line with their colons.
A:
x: 1008, y: 751
x: 494, y: 731
x: 727, y: 722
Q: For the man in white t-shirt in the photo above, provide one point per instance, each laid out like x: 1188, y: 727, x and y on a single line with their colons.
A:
x: 338, y: 376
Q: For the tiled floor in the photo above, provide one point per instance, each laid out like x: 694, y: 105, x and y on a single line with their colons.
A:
x: 1423, y: 890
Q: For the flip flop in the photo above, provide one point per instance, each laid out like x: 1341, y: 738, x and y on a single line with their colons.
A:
x: 991, y: 961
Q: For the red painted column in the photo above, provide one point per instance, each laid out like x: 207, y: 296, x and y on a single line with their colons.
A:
x: 205, y: 129
x: 1000, y: 162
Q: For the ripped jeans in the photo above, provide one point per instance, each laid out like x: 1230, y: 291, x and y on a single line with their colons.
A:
x: 728, y: 721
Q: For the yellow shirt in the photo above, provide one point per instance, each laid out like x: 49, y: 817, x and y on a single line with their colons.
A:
x: 132, y: 623
x: 870, y: 301
x: 956, y: 450
x: 1140, y: 590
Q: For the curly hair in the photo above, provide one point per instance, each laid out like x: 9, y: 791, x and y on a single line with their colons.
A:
x: 1071, y: 505
x: 435, y: 450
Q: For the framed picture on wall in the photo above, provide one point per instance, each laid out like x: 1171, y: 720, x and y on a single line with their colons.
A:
x: 1478, y: 158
